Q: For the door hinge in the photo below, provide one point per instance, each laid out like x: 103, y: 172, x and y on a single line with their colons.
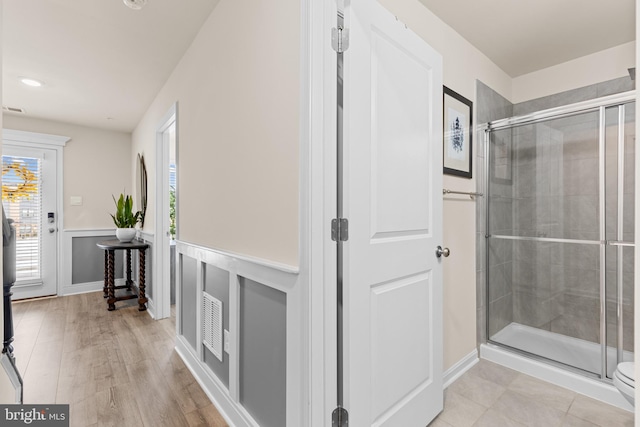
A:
x: 340, y: 39
x: 340, y: 417
x: 339, y: 229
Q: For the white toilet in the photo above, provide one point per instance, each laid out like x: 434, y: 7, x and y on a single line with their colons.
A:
x: 623, y: 379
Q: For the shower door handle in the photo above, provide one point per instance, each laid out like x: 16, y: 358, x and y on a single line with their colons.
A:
x: 440, y: 252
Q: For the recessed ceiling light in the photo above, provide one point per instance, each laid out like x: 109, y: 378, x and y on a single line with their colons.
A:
x: 31, y: 82
x: 135, y: 4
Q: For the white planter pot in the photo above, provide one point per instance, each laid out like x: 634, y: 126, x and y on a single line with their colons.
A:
x: 125, y: 234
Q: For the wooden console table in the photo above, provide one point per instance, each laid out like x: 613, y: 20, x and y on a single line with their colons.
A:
x: 109, y: 289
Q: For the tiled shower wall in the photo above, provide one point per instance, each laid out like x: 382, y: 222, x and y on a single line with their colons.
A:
x: 552, y: 194
x: 491, y: 106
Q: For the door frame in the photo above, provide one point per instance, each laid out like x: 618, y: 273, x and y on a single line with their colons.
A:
x: 318, y: 200
x: 24, y: 139
x: 161, y: 251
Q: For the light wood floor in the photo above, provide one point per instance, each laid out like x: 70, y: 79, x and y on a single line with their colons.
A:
x: 114, y: 368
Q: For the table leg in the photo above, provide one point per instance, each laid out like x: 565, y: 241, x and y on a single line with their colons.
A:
x: 128, y: 269
x: 106, y: 274
x: 111, y: 290
x: 142, y: 299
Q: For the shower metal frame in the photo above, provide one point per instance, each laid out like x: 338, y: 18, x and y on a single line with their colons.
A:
x: 600, y: 106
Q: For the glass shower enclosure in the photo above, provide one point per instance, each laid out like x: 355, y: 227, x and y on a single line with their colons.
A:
x: 560, y: 234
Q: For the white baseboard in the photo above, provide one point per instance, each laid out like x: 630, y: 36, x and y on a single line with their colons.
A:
x: 232, y: 413
x: 462, y: 366
x: 151, y: 308
x: 83, y: 288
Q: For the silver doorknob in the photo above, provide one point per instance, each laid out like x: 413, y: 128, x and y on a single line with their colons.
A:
x: 52, y: 230
x: 442, y: 252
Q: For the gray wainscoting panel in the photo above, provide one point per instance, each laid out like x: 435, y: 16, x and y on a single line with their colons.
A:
x: 148, y: 269
x: 188, y: 299
x: 263, y: 349
x: 172, y: 272
x: 87, y: 260
x: 216, y: 284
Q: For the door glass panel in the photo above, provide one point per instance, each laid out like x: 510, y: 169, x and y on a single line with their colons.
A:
x: 544, y: 179
x: 545, y: 244
x: 22, y: 202
x: 620, y: 210
x: 544, y: 298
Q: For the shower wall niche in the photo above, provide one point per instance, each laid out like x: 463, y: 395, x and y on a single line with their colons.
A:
x: 558, y: 212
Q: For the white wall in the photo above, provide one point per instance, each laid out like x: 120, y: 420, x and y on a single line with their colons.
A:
x: 96, y: 166
x: 463, y: 64
x: 238, y: 91
x: 601, y: 66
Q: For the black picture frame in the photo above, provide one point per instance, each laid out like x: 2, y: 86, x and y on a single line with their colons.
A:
x: 457, y: 135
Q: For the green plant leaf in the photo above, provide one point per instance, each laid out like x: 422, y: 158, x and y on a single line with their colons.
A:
x: 124, y: 216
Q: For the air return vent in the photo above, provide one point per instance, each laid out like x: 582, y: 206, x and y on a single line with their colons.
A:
x: 13, y: 109
x: 212, y: 337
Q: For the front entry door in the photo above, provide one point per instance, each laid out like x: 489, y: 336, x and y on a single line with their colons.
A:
x: 393, y: 202
x: 29, y: 198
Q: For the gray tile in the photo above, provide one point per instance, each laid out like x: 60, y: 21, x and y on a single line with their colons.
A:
x: 481, y: 325
x: 581, y: 327
x: 528, y: 412
x: 481, y: 291
x: 500, y: 280
x: 501, y: 314
x: 438, y: 422
x: 556, y: 100
x: 622, y: 84
x: 571, y: 421
x: 481, y: 258
x: 493, y: 372
x: 600, y: 413
x: 543, y: 392
x: 493, y: 418
x: 490, y: 105
x: 460, y: 411
x: 477, y: 389
x: 531, y: 310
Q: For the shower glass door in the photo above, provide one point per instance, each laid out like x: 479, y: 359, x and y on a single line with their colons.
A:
x: 560, y: 233
x: 620, y: 218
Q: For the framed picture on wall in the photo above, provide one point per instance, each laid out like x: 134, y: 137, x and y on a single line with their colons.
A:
x: 457, y: 144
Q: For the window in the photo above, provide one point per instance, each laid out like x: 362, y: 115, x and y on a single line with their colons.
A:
x: 22, y: 202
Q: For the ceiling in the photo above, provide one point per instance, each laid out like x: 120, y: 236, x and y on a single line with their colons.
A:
x: 103, y: 63
x: 522, y: 36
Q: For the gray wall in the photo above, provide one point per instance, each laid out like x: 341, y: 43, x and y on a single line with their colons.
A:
x: 263, y: 346
x: 87, y: 262
x: 216, y: 284
x: 188, y: 299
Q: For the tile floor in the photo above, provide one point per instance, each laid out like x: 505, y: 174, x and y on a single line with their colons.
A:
x: 490, y: 395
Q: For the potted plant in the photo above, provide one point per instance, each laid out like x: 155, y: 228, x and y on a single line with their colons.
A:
x: 125, y: 219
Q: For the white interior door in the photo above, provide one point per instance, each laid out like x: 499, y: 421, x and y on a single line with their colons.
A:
x: 30, y: 197
x: 393, y: 201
